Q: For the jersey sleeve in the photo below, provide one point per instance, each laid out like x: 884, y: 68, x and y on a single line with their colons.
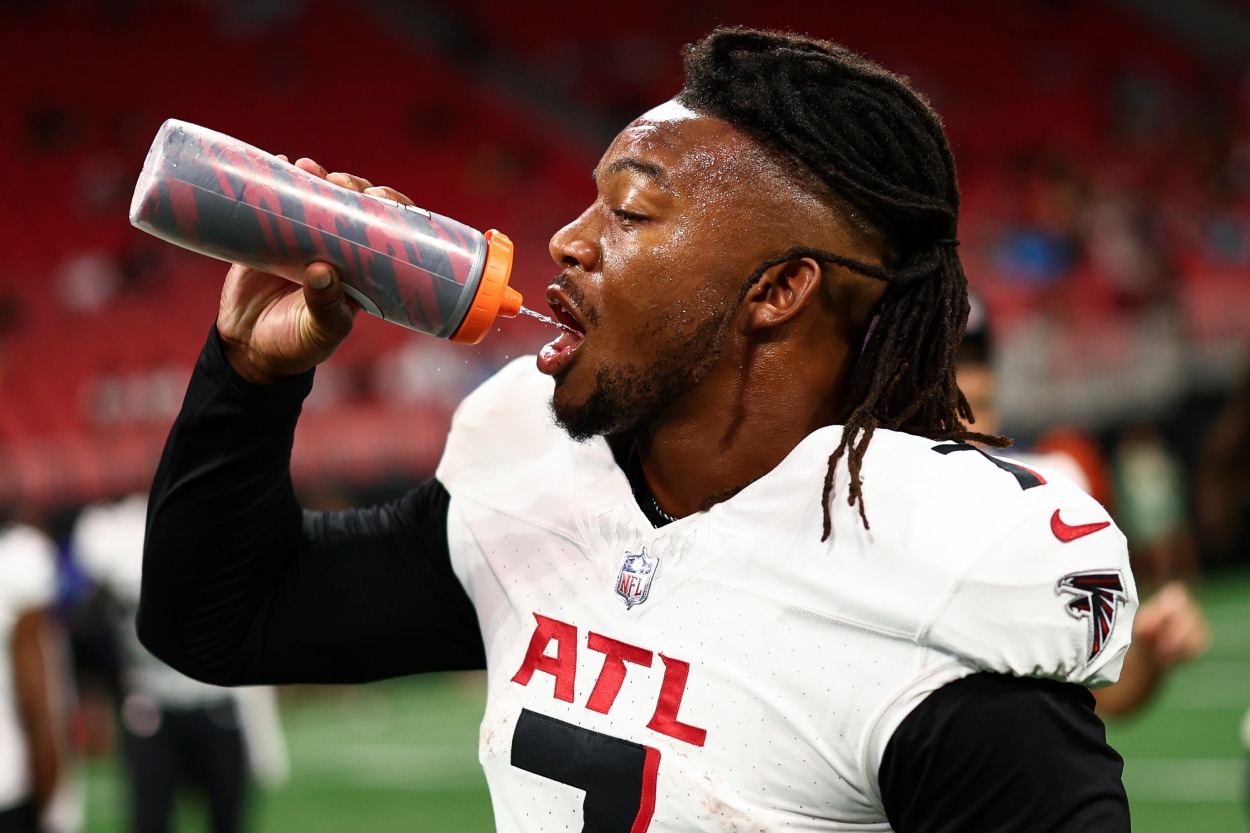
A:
x: 27, y: 569
x: 1051, y: 597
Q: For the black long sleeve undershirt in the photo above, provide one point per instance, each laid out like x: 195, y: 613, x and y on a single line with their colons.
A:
x: 997, y: 754
x: 241, y: 586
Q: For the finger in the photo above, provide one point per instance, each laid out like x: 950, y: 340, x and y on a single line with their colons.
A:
x: 284, y: 158
x: 355, y: 183
x: 1150, y: 617
x: 1174, y: 595
x: 304, y: 163
x: 1146, y: 629
x: 327, y: 302
x: 1178, y: 610
x: 322, y: 279
x: 1176, y: 647
x: 388, y: 193
x: 1184, y: 639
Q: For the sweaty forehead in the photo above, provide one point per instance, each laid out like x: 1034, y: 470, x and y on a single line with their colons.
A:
x: 690, y: 151
x: 729, y: 181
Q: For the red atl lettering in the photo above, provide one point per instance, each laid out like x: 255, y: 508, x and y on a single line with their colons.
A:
x: 563, y: 666
x: 673, y: 688
x: 613, y: 674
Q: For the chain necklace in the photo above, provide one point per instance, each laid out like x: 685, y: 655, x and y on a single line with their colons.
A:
x: 656, y: 506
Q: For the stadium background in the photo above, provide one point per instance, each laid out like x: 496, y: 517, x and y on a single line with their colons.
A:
x: 1104, y: 156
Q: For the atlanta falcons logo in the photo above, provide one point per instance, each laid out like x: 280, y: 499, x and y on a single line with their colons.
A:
x: 1099, y: 595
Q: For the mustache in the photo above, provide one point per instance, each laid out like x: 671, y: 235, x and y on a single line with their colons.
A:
x: 577, y: 298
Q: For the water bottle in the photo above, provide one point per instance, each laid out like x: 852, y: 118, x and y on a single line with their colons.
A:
x: 215, y: 195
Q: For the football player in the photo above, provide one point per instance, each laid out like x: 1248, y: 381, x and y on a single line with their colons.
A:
x: 176, y: 734
x: 37, y: 787
x: 726, y: 553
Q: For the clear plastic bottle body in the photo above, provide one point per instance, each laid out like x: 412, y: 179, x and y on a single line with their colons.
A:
x: 215, y: 195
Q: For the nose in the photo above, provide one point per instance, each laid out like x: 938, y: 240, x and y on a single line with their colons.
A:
x: 573, y: 247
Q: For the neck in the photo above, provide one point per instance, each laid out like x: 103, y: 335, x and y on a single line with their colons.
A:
x: 737, y: 425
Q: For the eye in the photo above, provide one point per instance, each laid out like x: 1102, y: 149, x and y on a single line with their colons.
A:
x: 629, y: 217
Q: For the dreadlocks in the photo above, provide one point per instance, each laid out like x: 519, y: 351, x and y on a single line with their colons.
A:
x: 874, y: 143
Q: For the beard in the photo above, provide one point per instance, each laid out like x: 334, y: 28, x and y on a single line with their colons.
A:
x: 628, y: 397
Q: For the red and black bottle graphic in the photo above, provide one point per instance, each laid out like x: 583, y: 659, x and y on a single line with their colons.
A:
x: 212, y: 194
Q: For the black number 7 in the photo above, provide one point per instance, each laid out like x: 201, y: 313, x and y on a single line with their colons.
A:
x: 617, y: 775
x: 1027, y: 478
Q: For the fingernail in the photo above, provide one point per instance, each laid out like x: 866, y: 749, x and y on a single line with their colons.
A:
x: 319, y: 279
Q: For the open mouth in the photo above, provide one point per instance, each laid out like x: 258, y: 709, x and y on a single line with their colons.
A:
x: 555, y: 356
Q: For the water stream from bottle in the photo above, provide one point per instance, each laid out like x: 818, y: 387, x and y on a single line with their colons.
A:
x: 545, y: 319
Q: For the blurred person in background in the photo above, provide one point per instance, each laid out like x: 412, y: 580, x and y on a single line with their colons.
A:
x: 37, y: 791
x: 1170, y: 627
x: 177, y: 733
x: 1152, y: 503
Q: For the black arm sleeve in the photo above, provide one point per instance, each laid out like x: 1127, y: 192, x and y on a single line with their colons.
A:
x: 241, y: 586
x: 997, y: 753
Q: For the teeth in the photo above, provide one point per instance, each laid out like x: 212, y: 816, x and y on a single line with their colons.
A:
x: 565, y: 318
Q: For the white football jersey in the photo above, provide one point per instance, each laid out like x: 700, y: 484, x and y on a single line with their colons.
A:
x: 27, y: 583
x: 730, y: 671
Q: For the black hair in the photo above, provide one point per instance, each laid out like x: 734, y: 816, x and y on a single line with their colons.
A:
x: 875, y: 144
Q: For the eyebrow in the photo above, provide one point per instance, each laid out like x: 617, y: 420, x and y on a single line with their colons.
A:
x: 648, y: 169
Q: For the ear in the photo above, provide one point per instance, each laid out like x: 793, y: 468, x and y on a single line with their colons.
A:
x: 781, y: 293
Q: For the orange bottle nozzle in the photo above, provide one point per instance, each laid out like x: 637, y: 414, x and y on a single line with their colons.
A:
x: 494, y: 297
x: 510, y: 306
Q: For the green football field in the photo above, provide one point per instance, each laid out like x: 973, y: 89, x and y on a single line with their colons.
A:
x: 401, y: 756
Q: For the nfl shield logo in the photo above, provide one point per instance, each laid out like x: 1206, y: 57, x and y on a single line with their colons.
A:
x: 634, y: 581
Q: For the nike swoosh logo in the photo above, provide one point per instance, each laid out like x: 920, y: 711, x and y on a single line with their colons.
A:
x: 1068, y: 533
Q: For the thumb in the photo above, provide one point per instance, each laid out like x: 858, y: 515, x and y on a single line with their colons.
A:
x: 331, y: 313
